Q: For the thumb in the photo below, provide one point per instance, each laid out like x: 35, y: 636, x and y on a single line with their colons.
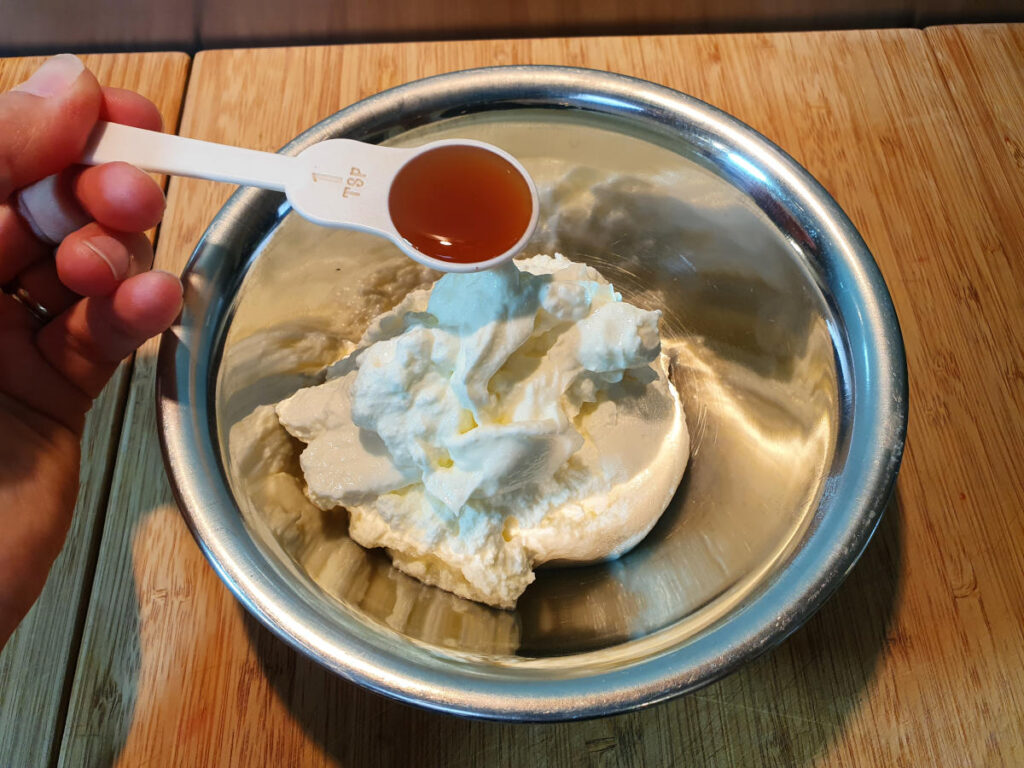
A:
x: 45, y: 122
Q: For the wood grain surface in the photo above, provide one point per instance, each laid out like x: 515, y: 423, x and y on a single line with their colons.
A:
x: 983, y: 64
x: 34, y: 666
x: 917, y: 660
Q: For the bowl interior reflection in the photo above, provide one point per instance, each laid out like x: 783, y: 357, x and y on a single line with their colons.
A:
x: 744, y: 323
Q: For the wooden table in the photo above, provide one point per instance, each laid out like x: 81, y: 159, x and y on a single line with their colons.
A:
x: 35, y: 665
x: 918, y: 659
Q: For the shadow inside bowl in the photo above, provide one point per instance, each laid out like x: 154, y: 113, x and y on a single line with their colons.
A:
x: 788, y: 707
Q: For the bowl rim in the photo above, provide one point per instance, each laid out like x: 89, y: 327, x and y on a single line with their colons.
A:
x: 848, y: 511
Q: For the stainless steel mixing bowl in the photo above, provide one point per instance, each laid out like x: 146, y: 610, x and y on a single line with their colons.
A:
x: 783, y: 342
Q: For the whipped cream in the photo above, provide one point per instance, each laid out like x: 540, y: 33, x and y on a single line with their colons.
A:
x: 498, y: 421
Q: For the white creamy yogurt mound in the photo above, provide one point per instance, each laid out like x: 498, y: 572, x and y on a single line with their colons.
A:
x: 500, y: 420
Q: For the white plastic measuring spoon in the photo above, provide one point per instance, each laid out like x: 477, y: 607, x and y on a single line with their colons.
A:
x: 455, y: 205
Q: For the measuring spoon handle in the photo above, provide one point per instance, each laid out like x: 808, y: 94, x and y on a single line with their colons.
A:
x: 179, y: 156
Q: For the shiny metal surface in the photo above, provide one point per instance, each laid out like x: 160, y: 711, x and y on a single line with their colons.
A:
x: 783, y: 342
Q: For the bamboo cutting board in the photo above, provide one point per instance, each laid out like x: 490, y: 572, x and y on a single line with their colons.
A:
x: 983, y: 64
x: 917, y: 660
x: 34, y: 666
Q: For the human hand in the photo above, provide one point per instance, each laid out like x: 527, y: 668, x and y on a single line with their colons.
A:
x: 78, y: 297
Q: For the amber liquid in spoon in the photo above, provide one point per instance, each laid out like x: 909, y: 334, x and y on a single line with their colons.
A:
x: 460, y: 203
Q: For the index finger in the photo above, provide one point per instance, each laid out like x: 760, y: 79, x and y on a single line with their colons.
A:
x: 130, y: 108
x: 54, y: 206
x: 56, y: 202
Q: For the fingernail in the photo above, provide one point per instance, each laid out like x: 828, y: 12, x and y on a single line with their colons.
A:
x: 113, y: 253
x: 55, y: 77
x: 172, y: 276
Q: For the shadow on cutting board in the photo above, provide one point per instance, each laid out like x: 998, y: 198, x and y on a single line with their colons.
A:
x: 786, y: 708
